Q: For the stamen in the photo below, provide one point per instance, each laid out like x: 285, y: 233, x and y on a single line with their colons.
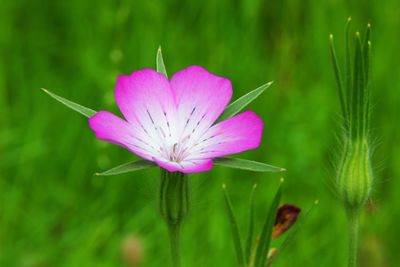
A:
x: 173, y: 156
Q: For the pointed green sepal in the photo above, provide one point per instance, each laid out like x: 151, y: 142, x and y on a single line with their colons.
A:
x: 235, y: 107
x: 245, y: 164
x: 353, y: 90
x: 348, y: 68
x: 87, y: 112
x: 160, y: 63
x: 358, y: 93
x: 339, y: 82
x: 128, y: 167
x: 366, y: 58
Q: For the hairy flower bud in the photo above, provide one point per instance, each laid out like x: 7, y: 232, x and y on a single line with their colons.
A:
x: 354, y: 172
x: 354, y: 176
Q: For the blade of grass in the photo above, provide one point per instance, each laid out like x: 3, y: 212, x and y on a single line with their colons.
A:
x: 87, y: 112
x: 235, y: 229
x: 235, y: 107
x: 250, y: 232
x: 160, y: 63
x: 265, y: 238
x: 245, y: 164
x: 128, y: 167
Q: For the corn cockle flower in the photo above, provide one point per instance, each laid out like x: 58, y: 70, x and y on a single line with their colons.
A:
x: 172, y: 122
x: 179, y: 125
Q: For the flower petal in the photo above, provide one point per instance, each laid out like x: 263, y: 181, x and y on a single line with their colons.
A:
x: 146, y: 100
x: 113, y: 129
x: 201, y: 97
x: 237, y: 134
x: 186, y: 166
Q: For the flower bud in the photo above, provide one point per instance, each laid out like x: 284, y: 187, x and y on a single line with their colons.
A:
x: 286, y: 217
x: 354, y: 177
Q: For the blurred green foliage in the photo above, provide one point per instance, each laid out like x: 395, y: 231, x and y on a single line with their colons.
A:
x: 54, y: 212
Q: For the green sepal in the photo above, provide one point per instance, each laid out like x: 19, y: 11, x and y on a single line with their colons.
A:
x: 366, y: 56
x: 235, y: 107
x: 358, y: 93
x: 87, y: 112
x: 366, y: 47
x: 348, y: 71
x: 128, y: 167
x: 353, y: 89
x: 245, y: 164
x: 160, y: 63
x: 339, y: 82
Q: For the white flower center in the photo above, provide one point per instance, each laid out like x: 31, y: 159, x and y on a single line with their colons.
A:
x: 177, y: 140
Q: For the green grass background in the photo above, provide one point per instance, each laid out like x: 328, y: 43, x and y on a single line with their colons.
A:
x: 54, y: 212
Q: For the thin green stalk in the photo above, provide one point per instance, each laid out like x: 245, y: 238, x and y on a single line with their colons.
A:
x: 354, y: 222
x: 174, y: 234
x: 173, y: 204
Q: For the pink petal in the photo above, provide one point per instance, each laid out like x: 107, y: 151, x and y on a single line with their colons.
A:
x: 237, y: 134
x: 202, y: 165
x: 201, y: 97
x: 146, y: 100
x: 113, y: 129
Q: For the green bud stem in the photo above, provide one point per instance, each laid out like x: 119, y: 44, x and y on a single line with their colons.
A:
x: 353, y: 216
x: 173, y: 205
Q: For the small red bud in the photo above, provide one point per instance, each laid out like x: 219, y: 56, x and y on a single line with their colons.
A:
x: 285, y: 218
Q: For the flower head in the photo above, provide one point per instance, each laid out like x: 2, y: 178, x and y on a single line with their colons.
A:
x: 172, y: 122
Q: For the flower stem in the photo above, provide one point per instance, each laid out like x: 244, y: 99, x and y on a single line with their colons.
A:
x: 353, y: 216
x: 173, y: 204
x: 174, y: 233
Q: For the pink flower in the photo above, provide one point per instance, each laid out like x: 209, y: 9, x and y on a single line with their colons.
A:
x: 171, y: 122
